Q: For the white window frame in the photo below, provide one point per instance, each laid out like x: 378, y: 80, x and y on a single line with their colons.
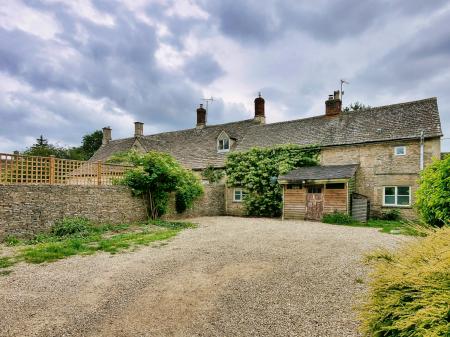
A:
x: 223, y: 137
x: 396, y: 195
x: 400, y: 147
x: 241, y: 193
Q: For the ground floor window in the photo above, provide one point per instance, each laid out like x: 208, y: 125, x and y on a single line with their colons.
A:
x: 239, y: 195
x: 397, y: 196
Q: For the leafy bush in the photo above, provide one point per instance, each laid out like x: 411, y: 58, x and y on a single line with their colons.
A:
x: 71, y: 226
x: 393, y: 214
x: 257, y: 171
x: 187, y: 191
x: 155, y: 175
x: 410, y: 290
x: 433, y: 195
x: 338, y: 218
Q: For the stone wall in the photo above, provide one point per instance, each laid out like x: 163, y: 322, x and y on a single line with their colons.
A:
x: 212, y: 203
x: 379, y: 167
x: 233, y: 208
x: 30, y: 209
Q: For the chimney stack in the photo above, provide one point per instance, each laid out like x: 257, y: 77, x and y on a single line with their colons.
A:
x: 138, y: 129
x: 333, y: 105
x: 260, y: 114
x: 106, y: 135
x: 201, y: 117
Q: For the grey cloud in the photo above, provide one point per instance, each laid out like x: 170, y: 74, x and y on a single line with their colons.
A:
x: 203, y: 69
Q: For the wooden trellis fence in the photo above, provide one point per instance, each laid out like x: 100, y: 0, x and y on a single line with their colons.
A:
x: 19, y: 169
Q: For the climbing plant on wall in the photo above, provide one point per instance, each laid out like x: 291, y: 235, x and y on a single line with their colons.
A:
x: 257, y: 171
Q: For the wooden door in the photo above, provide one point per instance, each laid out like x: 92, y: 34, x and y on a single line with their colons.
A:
x: 314, y: 203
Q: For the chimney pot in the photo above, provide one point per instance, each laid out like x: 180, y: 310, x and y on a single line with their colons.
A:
x: 138, y: 129
x: 106, y: 135
x: 201, y: 117
x: 260, y: 114
x: 333, y: 106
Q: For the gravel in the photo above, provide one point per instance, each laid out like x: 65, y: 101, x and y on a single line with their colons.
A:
x: 228, y: 277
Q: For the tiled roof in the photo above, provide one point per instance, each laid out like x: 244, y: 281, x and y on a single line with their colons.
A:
x: 320, y: 173
x: 390, y: 122
x: 193, y: 148
x: 196, y: 148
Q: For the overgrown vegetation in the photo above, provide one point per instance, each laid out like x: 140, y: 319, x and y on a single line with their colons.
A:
x: 257, y: 171
x: 338, y: 218
x: 410, y: 290
x: 433, y: 195
x: 78, y: 236
x: 212, y: 174
x: 393, y: 214
x: 155, y: 176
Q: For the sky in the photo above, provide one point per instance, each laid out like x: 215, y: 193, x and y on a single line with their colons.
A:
x: 69, y: 67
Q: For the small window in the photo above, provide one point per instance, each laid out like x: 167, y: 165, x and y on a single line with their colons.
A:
x: 239, y: 195
x: 400, y: 150
x: 223, y: 144
x: 314, y: 189
x: 397, y: 196
x: 335, y: 186
x: 294, y: 187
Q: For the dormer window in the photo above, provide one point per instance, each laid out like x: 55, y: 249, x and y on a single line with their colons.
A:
x: 223, y: 143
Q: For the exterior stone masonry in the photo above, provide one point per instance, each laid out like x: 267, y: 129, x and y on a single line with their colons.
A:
x: 212, y: 203
x: 31, y: 209
x: 232, y: 207
x: 379, y: 167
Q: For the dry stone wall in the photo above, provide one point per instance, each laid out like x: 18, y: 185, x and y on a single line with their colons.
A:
x: 30, y: 209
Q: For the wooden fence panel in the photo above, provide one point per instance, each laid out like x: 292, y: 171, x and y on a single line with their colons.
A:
x: 19, y: 169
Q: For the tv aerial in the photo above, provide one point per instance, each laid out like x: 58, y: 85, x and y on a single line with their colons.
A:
x: 342, y: 91
x: 207, y: 101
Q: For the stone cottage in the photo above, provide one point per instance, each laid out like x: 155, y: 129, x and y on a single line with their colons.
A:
x: 375, y: 154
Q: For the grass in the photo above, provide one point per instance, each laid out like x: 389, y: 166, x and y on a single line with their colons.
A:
x: 65, y: 241
x: 385, y: 226
x: 410, y: 290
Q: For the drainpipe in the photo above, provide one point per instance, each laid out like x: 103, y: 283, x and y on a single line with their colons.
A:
x: 421, y: 149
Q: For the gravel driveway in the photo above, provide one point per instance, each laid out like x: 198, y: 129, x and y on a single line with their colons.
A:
x: 229, y: 277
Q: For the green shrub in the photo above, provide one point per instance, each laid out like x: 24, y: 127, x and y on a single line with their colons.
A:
x: 393, y: 214
x: 410, y: 290
x: 11, y: 240
x: 433, y: 195
x: 155, y: 175
x: 72, y: 226
x: 338, y: 218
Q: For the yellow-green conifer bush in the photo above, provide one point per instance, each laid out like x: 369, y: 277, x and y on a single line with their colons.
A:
x: 410, y: 290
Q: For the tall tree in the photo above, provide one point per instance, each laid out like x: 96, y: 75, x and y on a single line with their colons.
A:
x: 44, y: 149
x: 91, y: 143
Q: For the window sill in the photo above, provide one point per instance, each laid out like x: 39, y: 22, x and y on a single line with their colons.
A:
x: 397, y: 206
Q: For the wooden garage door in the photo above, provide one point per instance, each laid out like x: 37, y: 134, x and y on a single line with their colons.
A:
x: 314, y: 203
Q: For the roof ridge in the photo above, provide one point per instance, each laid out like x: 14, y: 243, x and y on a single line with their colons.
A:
x: 206, y: 127
x: 353, y: 112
